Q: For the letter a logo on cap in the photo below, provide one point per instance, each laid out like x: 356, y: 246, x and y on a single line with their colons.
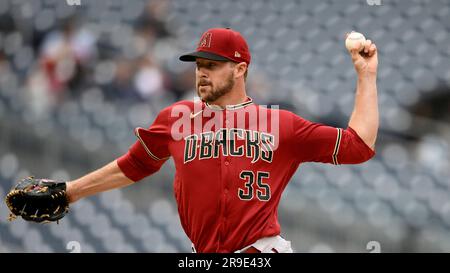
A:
x: 205, y: 41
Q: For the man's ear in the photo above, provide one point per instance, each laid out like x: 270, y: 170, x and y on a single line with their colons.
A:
x: 239, y: 69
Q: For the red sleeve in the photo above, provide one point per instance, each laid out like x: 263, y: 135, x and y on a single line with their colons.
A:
x: 316, y: 142
x: 149, y: 152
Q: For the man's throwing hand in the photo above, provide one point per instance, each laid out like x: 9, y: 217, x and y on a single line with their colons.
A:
x: 366, y: 60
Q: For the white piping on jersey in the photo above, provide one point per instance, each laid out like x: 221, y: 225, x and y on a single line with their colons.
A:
x: 336, y: 146
x: 230, y: 107
x: 136, y: 132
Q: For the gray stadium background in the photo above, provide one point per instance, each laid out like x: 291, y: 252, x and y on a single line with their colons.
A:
x: 76, y: 80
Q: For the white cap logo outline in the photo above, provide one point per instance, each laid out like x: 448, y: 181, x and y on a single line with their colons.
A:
x: 205, y: 41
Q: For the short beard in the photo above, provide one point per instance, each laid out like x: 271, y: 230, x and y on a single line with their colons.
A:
x: 220, y: 91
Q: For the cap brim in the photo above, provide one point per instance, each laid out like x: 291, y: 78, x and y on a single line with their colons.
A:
x: 191, y: 57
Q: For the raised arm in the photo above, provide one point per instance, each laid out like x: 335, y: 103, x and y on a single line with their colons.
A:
x: 364, y: 119
x: 106, y: 178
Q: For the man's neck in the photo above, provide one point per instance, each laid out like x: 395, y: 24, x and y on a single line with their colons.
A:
x: 232, y: 98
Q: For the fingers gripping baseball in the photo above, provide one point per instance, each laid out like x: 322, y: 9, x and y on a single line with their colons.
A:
x: 363, y: 53
x: 369, y: 48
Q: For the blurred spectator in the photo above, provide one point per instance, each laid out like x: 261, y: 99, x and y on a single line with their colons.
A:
x: 154, y: 18
x: 149, y: 79
x: 4, y: 65
x: 182, y: 84
x: 63, y: 55
x: 39, y: 95
x: 6, y: 23
x: 122, y: 87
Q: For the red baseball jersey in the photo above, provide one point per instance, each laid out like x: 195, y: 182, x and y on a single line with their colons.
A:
x: 233, y: 164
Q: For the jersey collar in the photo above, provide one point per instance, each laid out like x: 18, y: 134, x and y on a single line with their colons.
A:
x: 249, y: 101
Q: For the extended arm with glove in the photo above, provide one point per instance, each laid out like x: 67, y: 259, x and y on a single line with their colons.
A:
x: 44, y: 200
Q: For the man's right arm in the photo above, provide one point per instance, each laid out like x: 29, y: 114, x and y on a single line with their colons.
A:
x: 106, y: 178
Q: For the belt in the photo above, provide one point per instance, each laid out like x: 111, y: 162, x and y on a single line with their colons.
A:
x: 253, y: 249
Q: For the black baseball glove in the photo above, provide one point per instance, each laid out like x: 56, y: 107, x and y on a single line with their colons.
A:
x: 38, y: 200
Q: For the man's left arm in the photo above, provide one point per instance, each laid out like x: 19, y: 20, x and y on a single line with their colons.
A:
x: 365, y: 119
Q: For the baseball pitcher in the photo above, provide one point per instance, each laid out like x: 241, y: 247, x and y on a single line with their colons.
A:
x: 233, y: 158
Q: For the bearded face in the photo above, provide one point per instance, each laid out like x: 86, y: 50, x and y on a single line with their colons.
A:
x: 214, y: 79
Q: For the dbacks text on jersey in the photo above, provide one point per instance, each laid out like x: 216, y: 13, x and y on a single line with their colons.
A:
x: 230, y: 142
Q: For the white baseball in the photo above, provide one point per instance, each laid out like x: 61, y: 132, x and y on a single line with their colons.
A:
x: 355, y: 39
